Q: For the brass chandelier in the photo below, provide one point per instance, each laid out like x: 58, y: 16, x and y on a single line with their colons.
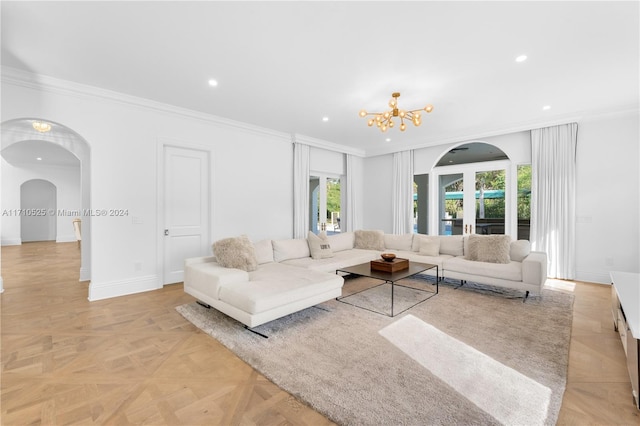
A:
x: 384, y: 120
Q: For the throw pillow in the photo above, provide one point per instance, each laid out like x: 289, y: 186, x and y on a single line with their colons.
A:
x: 264, y: 251
x: 519, y: 250
x: 369, y: 240
x: 429, y: 246
x: 341, y: 241
x: 452, y: 245
x: 290, y: 249
x: 489, y: 248
x: 398, y: 242
x: 236, y: 253
x: 319, y: 246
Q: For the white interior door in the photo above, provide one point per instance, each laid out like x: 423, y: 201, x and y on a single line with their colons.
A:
x: 186, y: 209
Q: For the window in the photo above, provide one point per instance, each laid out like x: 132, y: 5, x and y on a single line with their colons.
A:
x: 524, y: 201
x: 325, y: 204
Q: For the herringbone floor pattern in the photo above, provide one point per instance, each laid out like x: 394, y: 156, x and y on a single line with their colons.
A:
x: 135, y: 360
x: 128, y: 360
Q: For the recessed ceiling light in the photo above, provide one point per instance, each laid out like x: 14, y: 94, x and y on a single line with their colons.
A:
x: 325, y: 118
x: 521, y: 58
x: 387, y: 140
x: 546, y: 107
x: 213, y: 83
x: 39, y: 158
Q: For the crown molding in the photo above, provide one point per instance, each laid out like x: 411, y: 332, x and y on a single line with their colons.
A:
x: 319, y: 143
x: 45, y: 83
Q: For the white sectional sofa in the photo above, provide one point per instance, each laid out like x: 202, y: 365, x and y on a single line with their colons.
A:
x: 287, y: 278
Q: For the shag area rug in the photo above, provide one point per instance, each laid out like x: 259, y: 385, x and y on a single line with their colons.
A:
x: 468, y: 355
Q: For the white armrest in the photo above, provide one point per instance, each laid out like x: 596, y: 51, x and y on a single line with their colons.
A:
x: 534, y: 268
x: 208, y: 277
x: 195, y: 260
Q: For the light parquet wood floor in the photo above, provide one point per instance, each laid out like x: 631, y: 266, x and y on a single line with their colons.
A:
x: 128, y: 360
x: 135, y: 360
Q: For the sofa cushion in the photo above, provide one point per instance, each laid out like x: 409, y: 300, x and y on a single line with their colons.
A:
x: 489, y: 248
x: 341, y: 241
x: 398, y: 242
x: 452, y: 245
x: 429, y: 246
x: 369, y: 240
x: 274, y: 285
x: 237, y: 252
x: 264, y: 251
x: 519, y: 250
x: 290, y: 249
x: 511, y: 271
x: 421, y: 258
x: 341, y: 259
x: 208, y: 277
x: 319, y: 245
x: 415, y: 244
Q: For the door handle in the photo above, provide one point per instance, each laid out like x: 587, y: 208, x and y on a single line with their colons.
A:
x: 466, y: 228
x: 166, y: 232
x: 471, y: 229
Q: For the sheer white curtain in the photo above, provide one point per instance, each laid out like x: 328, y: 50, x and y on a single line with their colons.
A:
x: 353, y: 219
x: 300, y: 190
x: 403, y: 192
x: 553, y: 188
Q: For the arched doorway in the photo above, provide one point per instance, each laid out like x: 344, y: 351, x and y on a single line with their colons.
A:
x: 31, y: 129
x: 38, y: 199
x: 471, y: 190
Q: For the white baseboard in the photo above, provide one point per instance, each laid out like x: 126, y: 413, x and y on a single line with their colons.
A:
x: 66, y: 238
x: 11, y: 241
x: 85, y: 274
x: 593, y: 277
x: 106, y: 290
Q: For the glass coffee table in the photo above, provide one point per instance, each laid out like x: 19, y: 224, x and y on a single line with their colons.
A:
x: 392, y: 278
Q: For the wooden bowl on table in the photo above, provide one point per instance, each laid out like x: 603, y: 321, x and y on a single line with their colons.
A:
x: 388, y: 256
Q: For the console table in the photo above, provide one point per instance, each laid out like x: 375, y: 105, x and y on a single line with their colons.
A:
x: 625, y: 307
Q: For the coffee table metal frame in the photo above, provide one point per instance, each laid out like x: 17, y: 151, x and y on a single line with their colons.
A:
x: 364, y: 270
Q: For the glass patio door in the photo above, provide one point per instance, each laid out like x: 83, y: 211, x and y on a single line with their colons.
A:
x: 471, y: 199
x: 490, y: 202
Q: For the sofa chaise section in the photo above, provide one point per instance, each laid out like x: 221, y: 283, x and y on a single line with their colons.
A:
x: 257, y: 297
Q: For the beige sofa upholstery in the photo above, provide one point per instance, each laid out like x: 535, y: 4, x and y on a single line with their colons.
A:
x: 288, y: 279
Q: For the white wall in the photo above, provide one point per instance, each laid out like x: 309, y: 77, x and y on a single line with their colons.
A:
x: 326, y: 162
x: 607, y: 196
x: 252, y: 176
x: 67, y: 183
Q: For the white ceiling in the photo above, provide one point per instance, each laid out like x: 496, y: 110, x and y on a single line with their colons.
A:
x: 286, y: 65
x: 31, y: 153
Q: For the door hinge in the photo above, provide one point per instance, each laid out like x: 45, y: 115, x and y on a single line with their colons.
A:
x: 166, y: 232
